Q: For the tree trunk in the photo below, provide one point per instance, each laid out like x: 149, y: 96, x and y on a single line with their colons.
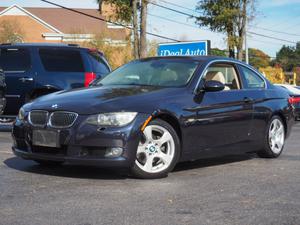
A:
x: 242, y: 30
x: 230, y: 43
x: 143, y: 38
x: 136, y: 39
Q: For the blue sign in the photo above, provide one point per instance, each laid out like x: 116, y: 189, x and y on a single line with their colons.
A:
x: 184, y: 48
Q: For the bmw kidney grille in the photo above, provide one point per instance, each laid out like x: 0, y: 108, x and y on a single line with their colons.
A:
x: 58, y: 119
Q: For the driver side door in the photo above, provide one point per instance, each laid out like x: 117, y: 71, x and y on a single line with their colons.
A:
x: 223, y: 117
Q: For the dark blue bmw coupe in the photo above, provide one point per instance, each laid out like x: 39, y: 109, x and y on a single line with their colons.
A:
x: 152, y: 113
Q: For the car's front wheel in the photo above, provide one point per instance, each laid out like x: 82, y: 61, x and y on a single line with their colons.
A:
x: 158, y: 151
x: 274, y: 138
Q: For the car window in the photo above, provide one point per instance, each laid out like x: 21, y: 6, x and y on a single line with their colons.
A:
x: 98, y: 64
x: 153, y: 72
x: 252, y: 80
x: 14, y: 59
x: 61, y: 60
x: 224, y: 73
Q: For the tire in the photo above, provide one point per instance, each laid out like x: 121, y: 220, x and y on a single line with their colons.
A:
x: 156, y: 156
x: 273, y: 138
x: 46, y: 163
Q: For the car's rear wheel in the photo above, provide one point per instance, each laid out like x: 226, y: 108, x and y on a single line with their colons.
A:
x: 158, y: 151
x: 274, y: 139
x: 47, y: 163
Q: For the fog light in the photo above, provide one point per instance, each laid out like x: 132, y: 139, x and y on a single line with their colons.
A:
x: 113, y: 152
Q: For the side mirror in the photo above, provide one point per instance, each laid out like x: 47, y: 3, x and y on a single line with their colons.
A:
x: 213, y: 85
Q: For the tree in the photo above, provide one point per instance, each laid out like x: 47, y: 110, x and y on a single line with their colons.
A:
x: 229, y: 17
x: 218, y: 52
x: 11, y: 32
x: 127, y: 11
x: 258, y: 58
x: 288, y: 57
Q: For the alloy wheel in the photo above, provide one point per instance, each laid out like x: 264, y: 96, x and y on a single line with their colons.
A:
x: 276, y: 136
x: 156, y: 149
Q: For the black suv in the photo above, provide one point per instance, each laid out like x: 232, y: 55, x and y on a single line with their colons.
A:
x: 33, y: 70
x: 2, y: 91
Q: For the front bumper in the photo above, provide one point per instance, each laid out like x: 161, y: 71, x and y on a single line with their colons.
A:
x: 82, y: 143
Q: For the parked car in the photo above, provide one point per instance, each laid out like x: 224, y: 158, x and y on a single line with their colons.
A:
x: 33, y: 70
x: 294, y: 93
x: 2, y: 91
x: 150, y: 114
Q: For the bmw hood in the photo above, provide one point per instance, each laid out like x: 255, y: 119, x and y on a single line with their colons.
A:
x: 103, y: 99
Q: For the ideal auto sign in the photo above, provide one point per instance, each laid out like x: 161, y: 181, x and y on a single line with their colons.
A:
x: 184, y: 48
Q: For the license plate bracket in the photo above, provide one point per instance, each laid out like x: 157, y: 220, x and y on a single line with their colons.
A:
x: 46, y: 138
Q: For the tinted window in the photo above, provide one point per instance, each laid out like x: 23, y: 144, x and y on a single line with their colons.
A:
x: 14, y: 59
x: 224, y: 73
x: 61, y: 60
x: 155, y: 72
x: 97, y: 62
x: 253, y: 81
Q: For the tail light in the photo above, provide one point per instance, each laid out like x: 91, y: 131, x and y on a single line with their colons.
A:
x: 88, y: 78
x: 294, y: 100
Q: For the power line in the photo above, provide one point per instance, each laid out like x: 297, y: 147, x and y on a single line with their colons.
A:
x: 174, y: 21
x: 190, y: 15
x: 179, y: 6
x: 276, y: 31
x: 108, y: 21
x: 171, y: 9
x: 266, y: 36
x: 265, y: 42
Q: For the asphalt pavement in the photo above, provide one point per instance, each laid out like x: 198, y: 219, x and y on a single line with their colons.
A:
x: 228, y: 190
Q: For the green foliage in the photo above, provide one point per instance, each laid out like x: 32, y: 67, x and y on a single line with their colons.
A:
x: 123, y: 9
x: 227, y: 16
x: 217, y: 15
x: 218, y: 52
x: 258, y: 58
x: 288, y: 57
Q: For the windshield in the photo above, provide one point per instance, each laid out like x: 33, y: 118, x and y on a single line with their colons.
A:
x: 154, y: 72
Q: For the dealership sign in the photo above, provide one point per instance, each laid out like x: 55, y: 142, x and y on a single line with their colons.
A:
x: 194, y: 48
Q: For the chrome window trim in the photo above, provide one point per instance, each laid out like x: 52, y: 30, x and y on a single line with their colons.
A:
x: 14, y: 71
x: 61, y: 127
x: 13, y: 96
x: 228, y: 61
x: 40, y: 126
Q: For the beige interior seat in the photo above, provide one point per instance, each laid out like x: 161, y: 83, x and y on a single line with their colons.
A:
x: 217, y: 76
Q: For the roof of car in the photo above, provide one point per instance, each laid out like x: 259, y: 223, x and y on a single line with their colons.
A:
x: 39, y: 45
x: 196, y: 58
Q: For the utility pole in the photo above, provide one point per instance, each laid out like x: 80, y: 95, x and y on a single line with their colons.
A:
x: 143, y: 28
x: 136, y: 39
x: 246, y: 41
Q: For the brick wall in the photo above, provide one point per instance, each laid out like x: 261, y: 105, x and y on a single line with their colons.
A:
x: 32, y: 29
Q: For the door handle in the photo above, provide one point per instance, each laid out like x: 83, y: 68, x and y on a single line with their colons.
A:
x: 26, y: 79
x: 248, y: 100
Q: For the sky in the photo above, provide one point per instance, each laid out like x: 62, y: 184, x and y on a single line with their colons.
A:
x: 276, y: 15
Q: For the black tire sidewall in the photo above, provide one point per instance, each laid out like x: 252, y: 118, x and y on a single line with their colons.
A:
x: 139, y: 173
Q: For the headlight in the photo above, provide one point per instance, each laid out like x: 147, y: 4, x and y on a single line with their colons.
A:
x: 117, y: 119
x: 21, y: 115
